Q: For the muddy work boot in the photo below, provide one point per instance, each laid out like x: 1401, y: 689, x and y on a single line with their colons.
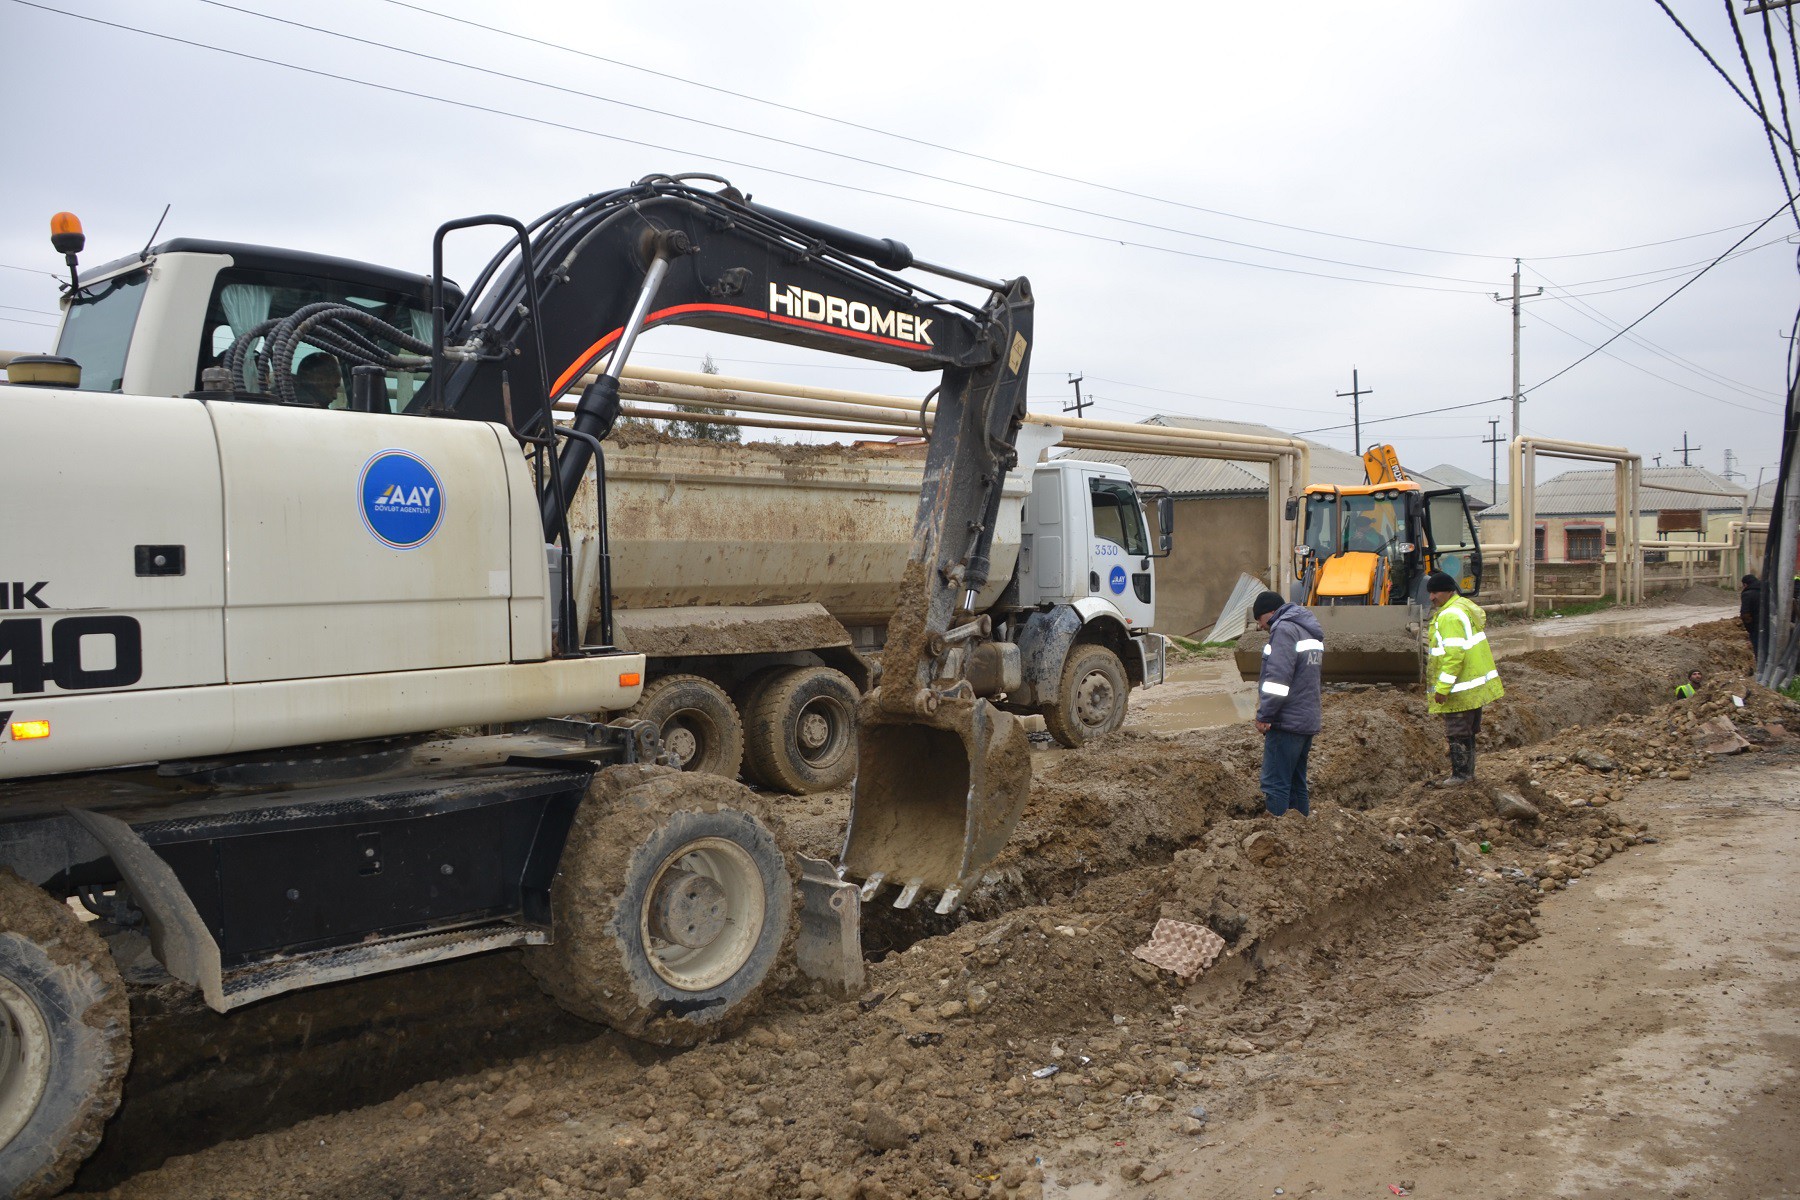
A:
x: 1462, y: 764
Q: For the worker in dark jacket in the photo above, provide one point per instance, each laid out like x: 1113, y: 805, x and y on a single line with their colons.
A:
x: 1750, y: 606
x: 1288, y: 712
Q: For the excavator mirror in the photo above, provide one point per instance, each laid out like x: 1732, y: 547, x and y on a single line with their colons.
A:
x: 1293, y: 508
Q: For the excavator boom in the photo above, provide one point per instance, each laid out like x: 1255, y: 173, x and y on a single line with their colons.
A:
x: 943, y: 774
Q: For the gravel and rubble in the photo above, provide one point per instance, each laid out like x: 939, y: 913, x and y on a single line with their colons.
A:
x: 1019, y: 1044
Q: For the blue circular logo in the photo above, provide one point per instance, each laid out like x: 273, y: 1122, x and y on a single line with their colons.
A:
x: 402, y: 499
x: 1116, y: 580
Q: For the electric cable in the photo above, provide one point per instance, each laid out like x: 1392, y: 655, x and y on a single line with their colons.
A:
x: 716, y: 158
x: 1647, y: 371
x: 1762, y: 110
x: 1582, y: 308
x: 1729, y: 82
x: 803, y: 146
x: 1689, y: 283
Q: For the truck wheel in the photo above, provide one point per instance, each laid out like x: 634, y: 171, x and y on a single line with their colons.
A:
x: 1091, y: 698
x: 699, y: 724
x: 65, y: 1040
x: 800, y: 731
x: 673, y: 905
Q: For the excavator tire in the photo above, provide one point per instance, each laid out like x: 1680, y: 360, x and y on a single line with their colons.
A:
x: 699, y: 724
x: 800, y: 731
x: 1091, y: 699
x: 65, y: 1040
x: 657, y: 858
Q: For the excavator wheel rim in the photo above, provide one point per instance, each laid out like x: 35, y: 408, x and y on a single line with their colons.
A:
x: 697, y: 968
x: 24, y: 1058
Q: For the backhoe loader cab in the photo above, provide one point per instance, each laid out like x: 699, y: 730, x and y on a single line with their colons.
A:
x: 1361, y: 563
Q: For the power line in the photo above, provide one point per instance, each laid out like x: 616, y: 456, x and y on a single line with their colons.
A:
x: 1425, y: 412
x: 716, y: 158
x: 1047, y: 174
x: 1647, y: 371
x: 1703, y: 270
x: 803, y: 146
x: 1582, y: 308
x: 876, y: 163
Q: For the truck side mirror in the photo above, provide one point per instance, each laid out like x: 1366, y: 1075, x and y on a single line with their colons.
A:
x: 1165, y: 523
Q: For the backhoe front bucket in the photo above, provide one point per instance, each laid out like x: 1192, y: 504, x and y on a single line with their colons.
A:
x: 936, y: 798
x: 1380, y: 643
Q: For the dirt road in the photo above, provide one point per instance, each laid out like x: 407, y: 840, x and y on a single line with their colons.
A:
x: 1392, y: 996
x: 1646, y: 1044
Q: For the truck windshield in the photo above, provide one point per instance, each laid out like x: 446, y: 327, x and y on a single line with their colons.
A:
x: 97, y: 330
x: 1117, y: 517
x: 1370, y: 523
x: 242, y: 299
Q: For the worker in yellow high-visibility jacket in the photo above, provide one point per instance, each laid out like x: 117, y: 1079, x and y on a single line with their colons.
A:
x: 1460, y: 671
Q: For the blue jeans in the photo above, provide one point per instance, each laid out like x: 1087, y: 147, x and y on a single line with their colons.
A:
x: 1284, y: 771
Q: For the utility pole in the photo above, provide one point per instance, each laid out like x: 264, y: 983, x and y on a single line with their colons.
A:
x: 1684, y: 449
x: 1731, y: 471
x: 1516, y: 297
x: 1356, y: 393
x: 1080, y: 404
x: 1494, y: 439
x: 1656, y: 460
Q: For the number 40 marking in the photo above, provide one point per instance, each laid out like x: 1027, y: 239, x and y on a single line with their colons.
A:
x: 24, y: 667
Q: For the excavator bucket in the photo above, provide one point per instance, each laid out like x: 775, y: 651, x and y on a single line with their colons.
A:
x: 1381, y: 643
x: 937, y: 795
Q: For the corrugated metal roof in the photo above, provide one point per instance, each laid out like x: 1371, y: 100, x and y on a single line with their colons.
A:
x: 1478, y: 486
x: 1589, y: 492
x: 1222, y: 477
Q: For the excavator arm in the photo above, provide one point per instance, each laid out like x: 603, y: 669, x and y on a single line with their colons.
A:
x: 943, y: 774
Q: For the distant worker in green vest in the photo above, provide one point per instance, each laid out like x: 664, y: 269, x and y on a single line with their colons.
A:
x: 1686, y: 691
x: 1460, y: 671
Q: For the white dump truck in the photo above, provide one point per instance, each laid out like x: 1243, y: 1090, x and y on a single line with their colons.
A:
x: 758, y: 581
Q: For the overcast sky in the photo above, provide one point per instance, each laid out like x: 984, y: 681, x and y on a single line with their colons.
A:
x: 1315, y: 186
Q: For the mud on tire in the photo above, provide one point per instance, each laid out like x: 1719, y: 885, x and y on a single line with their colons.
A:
x: 657, y: 857
x: 65, y: 1040
x: 1091, y: 697
x: 800, y: 731
x: 698, y: 722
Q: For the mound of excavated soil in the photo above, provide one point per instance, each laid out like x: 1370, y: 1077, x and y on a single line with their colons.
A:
x: 1023, y: 1036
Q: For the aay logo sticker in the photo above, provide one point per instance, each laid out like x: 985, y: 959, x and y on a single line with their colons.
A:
x: 402, y: 499
x: 1115, y: 579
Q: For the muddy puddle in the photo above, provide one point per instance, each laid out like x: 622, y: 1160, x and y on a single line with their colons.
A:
x: 1636, y: 622
x: 1197, y: 695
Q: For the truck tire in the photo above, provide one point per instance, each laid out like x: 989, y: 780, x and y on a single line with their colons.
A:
x: 1090, y: 699
x: 673, y: 906
x: 65, y: 1040
x: 800, y: 731
x: 699, y: 724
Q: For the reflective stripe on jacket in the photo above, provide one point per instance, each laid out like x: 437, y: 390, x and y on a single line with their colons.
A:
x: 1461, y: 662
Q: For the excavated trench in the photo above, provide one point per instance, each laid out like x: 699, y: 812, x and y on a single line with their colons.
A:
x: 1100, y: 821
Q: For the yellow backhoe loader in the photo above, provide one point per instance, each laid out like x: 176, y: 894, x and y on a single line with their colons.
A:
x: 1361, y: 565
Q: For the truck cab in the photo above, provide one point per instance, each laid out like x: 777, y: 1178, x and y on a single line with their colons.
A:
x: 1087, y: 569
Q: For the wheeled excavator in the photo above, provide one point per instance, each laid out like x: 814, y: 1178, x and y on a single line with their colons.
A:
x: 284, y: 677
x: 1361, y: 564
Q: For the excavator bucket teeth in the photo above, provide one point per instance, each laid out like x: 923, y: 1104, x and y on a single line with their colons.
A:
x: 936, y: 796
